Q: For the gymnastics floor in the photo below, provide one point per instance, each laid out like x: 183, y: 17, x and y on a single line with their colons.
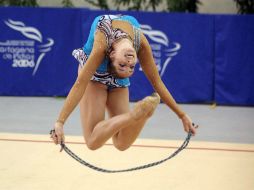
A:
x: 220, y: 156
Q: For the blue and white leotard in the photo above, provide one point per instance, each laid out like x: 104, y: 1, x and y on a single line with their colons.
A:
x: 104, y: 24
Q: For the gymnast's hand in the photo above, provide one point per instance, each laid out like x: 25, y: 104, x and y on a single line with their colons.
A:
x: 58, y: 133
x: 188, y: 125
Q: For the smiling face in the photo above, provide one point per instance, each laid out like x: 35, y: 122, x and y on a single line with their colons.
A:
x: 123, y: 61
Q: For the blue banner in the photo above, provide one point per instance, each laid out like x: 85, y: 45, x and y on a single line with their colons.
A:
x: 200, y: 58
x: 35, y: 51
x: 234, y: 60
x: 183, y: 53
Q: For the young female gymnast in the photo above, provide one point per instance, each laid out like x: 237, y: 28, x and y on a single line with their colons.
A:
x: 106, y: 61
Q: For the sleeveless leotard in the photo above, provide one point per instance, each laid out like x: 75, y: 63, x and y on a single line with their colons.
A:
x: 104, y: 24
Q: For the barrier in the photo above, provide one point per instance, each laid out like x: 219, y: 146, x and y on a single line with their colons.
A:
x: 35, y: 51
x: 199, y: 57
x: 234, y: 60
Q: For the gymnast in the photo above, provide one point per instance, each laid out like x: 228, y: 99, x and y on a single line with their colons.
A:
x: 106, y: 62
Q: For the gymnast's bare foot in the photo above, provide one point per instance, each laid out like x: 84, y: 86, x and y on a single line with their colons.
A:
x: 145, y: 107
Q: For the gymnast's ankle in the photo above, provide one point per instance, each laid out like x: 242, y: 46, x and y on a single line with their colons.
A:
x: 145, y: 108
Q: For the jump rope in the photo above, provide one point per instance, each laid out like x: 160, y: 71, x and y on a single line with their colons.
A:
x: 91, y: 166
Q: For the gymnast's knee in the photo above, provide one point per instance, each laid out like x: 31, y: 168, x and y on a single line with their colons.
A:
x: 121, y: 146
x: 92, y: 145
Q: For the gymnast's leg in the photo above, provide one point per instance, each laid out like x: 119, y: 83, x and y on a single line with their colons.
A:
x: 97, y: 130
x: 118, y: 104
x: 92, y: 111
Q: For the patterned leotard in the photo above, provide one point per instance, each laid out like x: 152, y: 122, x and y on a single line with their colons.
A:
x: 104, y: 24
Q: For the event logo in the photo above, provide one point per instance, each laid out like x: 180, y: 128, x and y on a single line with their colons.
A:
x: 27, y: 53
x: 163, y: 50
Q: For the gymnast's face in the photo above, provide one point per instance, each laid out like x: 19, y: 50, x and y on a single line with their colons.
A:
x: 123, y: 61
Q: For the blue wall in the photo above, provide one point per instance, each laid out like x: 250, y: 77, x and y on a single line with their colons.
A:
x: 201, y: 58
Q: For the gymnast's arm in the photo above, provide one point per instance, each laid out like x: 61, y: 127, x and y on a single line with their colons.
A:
x: 95, y: 59
x: 148, y: 65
